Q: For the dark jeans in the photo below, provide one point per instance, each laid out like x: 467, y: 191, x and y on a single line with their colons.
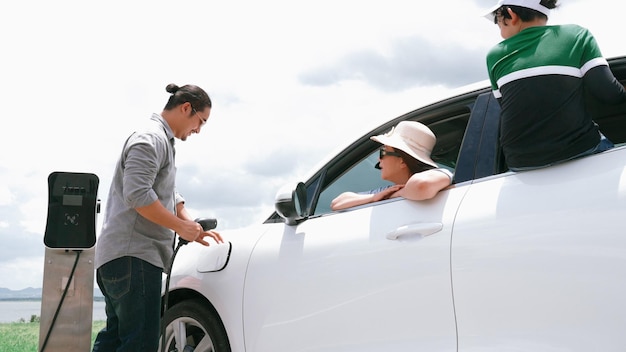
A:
x: 132, y: 293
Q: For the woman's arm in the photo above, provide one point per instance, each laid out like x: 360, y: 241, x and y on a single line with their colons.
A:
x: 351, y: 199
x: 425, y: 185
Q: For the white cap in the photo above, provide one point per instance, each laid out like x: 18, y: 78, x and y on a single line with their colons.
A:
x: 531, y: 4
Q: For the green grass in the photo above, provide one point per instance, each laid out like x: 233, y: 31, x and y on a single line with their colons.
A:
x: 24, y: 337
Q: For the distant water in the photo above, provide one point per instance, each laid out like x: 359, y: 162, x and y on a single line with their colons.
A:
x: 13, y: 311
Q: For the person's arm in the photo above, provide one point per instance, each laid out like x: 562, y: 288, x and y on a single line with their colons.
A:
x: 602, y: 84
x: 425, y: 185
x: 351, y: 199
x: 158, y: 214
x: 141, y: 166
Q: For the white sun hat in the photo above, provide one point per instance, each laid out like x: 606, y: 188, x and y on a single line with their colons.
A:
x: 531, y: 4
x: 411, y: 137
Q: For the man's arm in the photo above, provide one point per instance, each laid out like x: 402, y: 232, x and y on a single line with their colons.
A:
x: 158, y: 214
x: 604, y: 85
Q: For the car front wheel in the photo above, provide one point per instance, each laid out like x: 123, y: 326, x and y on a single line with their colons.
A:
x: 190, y: 326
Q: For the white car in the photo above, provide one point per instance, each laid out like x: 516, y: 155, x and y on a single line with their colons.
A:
x: 500, y: 261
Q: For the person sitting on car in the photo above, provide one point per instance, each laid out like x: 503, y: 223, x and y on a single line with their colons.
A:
x: 539, y: 74
x: 404, y: 160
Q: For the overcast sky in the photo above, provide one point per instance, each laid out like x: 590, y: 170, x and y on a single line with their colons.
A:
x: 291, y: 81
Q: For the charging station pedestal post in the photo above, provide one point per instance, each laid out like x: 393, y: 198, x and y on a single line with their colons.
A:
x: 68, y: 283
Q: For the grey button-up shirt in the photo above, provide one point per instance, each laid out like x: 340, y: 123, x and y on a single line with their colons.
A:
x: 145, y: 173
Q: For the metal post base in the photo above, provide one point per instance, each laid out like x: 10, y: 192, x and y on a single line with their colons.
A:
x: 72, y: 329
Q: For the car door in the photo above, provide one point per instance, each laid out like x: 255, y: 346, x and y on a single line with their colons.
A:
x: 370, y: 278
x: 373, y: 278
x: 539, y: 259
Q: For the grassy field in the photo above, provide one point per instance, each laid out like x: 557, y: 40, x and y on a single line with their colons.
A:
x: 24, y: 337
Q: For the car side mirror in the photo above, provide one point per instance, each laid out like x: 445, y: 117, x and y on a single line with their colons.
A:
x: 291, y: 203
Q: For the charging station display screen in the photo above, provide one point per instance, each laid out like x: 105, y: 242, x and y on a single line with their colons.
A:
x: 72, y: 208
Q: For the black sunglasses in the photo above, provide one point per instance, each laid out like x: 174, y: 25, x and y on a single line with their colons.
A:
x: 382, y: 152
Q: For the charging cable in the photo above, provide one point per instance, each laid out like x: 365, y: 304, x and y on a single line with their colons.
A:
x: 207, y: 224
x: 56, y: 314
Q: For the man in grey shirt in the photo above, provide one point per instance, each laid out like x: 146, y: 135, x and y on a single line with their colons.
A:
x: 143, y: 211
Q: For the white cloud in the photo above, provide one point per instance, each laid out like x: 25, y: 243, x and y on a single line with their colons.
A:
x: 6, y: 196
x: 22, y: 272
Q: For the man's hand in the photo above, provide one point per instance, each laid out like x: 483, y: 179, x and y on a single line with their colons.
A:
x: 211, y: 233
x: 189, y: 230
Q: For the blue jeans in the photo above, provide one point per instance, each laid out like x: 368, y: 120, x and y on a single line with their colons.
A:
x: 605, y: 144
x: 132, y: 293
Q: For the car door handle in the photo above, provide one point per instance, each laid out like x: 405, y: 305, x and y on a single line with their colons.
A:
x: 423, y: 229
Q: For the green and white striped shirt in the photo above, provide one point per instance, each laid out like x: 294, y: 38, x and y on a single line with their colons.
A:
x: 539, y: 76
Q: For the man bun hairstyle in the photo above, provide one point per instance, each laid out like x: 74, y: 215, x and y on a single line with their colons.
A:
x: 195, y: 95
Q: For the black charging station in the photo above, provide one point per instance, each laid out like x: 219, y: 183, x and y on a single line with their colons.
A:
x: 68, y: 283
x: 72, y: 208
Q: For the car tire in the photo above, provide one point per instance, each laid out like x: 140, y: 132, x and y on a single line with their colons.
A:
x: 201, y: 327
